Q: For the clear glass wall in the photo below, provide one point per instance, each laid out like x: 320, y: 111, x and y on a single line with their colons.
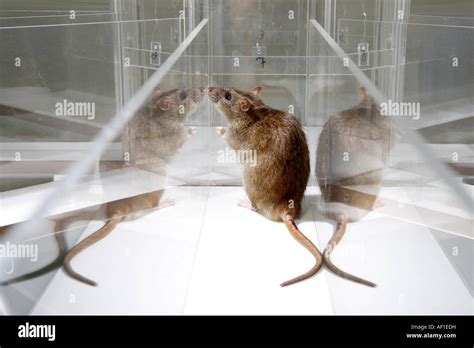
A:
x: 70, y: 72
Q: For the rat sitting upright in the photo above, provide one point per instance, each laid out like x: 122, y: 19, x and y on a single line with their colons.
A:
x: 157, y: 133
x: 276, y: 184
x: 352, y: 150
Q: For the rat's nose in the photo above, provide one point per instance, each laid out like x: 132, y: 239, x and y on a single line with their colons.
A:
x: 201, y: 91
x: 213, y: 95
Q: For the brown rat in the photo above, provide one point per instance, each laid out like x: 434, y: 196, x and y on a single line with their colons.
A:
x: 156, y: 134
x: 276, y: 184
x: 352, y: 150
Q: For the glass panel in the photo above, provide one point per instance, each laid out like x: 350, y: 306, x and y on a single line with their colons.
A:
x: 131, y: 171
x: 421, y: 237
x: 71, y: 70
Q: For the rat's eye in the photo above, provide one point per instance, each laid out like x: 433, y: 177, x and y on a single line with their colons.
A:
x: 183, y: 95
x: 228, y: 96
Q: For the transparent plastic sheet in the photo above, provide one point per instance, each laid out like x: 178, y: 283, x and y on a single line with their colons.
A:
x: 426, y: 218
x: 422, y: 228
x: 84, y: 187
x: 256, y: 43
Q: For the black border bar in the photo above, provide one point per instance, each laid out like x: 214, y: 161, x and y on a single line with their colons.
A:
x: 165, y: 330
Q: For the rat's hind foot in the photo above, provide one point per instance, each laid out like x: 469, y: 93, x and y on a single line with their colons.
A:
x: 166, y: 203
x: 377, y: 204
x: 245, y: 203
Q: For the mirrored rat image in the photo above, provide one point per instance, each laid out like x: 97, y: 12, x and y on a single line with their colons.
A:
x: 349, y: 188
x: 157, y: 133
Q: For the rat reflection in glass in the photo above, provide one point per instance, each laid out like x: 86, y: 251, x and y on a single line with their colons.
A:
x: 156, y: 134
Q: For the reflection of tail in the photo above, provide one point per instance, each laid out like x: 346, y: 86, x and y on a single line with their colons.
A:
x: 336, y: 238
x: 84, y: 244
x: 300, y: 237
x: 56, y: 263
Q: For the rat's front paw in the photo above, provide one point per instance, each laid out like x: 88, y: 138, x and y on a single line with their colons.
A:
x: 192, y: 131
x: 220, y: 131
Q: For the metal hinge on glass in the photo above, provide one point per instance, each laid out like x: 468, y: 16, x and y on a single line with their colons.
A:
x: 155, y: 53
x: 363, y: 53
x: 260, y: 51
x: 342, y: 35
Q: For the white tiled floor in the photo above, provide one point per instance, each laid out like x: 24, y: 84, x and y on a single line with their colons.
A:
x: 242, y: 259
x: 412, y: 273
x: 142, y: 267
x: 208, y: 256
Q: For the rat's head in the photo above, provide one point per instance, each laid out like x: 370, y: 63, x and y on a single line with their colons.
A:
x: 234, y: 103
x: 177, y: 103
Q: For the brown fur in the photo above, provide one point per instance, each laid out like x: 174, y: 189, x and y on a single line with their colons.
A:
x: 367, y: 137
x: 276, y: 185
x: 156, y: 135
x: 157, y: 132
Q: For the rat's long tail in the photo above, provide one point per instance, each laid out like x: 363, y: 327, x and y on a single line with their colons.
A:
x: 84, y: 244
x: 336, y: 238
x: 56, y: 263
x: 301, y: 238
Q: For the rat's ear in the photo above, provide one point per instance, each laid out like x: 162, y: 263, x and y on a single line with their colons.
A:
x: 165, y: 104
x: 362, y: 91
x: 157, y: 90
x: 257, y: 90
x: 244, y: 105
x: 367, y: 101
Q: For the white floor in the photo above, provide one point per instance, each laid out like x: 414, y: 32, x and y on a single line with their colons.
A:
x: 208, y: 256
x: 243, y: 257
